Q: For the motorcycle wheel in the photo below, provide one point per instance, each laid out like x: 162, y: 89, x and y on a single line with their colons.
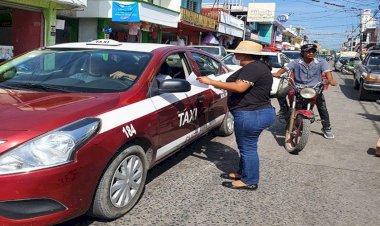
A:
x: 296, y: 140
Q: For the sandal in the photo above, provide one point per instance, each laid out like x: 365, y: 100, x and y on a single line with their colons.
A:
x: 229, y: 177
x: 251, y: 187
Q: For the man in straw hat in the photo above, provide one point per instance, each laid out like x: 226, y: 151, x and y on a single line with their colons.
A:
x: 249, y: 102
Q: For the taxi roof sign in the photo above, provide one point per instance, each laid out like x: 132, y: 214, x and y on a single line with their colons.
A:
x: 104, y: 42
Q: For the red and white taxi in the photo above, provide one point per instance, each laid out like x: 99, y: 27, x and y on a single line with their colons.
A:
x: 81, y: 124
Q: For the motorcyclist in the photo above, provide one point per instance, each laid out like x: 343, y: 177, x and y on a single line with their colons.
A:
x: 308, y: 71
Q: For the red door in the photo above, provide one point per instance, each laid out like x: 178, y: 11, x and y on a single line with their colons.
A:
x: 27, y: 30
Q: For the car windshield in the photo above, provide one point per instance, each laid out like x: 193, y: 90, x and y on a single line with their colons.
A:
x: 211, y: 50
x: 74, y: 70
x: 293, y: 55
x: 374, y: 61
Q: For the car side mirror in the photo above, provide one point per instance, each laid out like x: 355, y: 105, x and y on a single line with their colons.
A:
x: 174, y: 86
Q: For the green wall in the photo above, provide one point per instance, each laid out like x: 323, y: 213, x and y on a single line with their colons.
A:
x: 49, y: 9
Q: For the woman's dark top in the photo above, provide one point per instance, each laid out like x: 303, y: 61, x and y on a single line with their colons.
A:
x: 258, y: 95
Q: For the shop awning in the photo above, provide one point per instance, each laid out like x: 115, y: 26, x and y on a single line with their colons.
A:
x: 192, y: 27
x: 147, y: 13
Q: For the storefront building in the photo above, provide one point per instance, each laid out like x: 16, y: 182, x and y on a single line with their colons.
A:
x: 28, y: 24
x: 262, y: 17
x: 288, y: 37
x: 230, y: 29
x: 276, y: 41
x: 230, y: 26
x: 127, y: 21
x: 192, y: 25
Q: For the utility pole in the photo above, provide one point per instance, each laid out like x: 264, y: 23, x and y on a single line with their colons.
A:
x: 360, y: 38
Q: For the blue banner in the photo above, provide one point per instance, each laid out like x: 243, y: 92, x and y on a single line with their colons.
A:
x: 125, y: 13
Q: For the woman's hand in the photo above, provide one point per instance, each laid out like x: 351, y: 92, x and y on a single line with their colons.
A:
x: 205, y: 80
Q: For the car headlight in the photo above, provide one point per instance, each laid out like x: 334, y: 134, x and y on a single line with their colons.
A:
x: 308, y: 93
x: 51, y: 149
x: 371, y: 77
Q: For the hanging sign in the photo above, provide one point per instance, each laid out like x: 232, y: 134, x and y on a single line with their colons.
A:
x: 125, y: 12
x: 282, y: 18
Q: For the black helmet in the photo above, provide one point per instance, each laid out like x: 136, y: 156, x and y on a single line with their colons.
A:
x: 308, y: 47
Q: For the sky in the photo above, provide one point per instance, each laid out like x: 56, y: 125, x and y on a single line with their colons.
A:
x: 322, y: 21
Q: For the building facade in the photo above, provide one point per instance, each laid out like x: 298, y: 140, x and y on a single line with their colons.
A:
x: 28, y: 24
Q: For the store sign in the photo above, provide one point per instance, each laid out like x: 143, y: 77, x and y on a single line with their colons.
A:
x: 365, y: 16
x: 231, y: 20
x: 125, y: 12
x: 213, y: 13
x: 197, y: 19
x: 282, y: 18
x: 261, y: 12
x: 230, y: 30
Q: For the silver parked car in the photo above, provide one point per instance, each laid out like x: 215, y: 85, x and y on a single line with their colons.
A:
x: 217, y: 51
x: 367, y: 75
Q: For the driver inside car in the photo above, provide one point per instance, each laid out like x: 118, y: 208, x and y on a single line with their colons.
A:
x: 98, y: 68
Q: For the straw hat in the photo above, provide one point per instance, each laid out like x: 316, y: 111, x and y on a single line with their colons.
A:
x: 248, y: 47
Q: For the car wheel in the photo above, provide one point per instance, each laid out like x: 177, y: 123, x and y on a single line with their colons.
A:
x: 121, y: 184
x: 227, y: 127
x: 363, y: 94
x: 356, y: 84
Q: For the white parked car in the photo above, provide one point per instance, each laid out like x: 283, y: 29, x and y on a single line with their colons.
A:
x: 292, y: 54
x: 217, y: 51
x: 276, y: 59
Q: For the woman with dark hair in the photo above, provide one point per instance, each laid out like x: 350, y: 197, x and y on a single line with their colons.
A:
x: 249, y: 102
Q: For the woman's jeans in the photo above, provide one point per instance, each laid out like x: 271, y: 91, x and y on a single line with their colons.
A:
x: 248, y: 127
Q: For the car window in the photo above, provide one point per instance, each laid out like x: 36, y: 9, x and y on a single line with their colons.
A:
x: 273, y: 59
x: 178, y: 65
x: 292, y: 55
x: 75, y: 70
x: 228, y: 59
x: 373, y: 60
x: 206, y: 65
x: 211, y: 50
x: 224, y: 53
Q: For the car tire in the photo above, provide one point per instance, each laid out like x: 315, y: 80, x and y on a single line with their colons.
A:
x: 227, y: 127
x: 363, y: 94
x: 126, y: 172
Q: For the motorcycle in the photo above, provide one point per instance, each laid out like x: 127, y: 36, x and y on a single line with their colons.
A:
x: 302, y: 100
x: 348, y: 68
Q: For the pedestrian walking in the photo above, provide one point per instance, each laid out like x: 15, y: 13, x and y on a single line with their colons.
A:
x: 249, y: 102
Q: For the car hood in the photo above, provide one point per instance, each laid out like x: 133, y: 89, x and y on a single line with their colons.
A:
x: 41, y: 111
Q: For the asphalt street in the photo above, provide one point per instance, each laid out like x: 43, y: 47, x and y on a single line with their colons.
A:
x: 331, y: 182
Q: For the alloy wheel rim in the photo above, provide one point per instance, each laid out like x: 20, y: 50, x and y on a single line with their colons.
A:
x: 126, y: 181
